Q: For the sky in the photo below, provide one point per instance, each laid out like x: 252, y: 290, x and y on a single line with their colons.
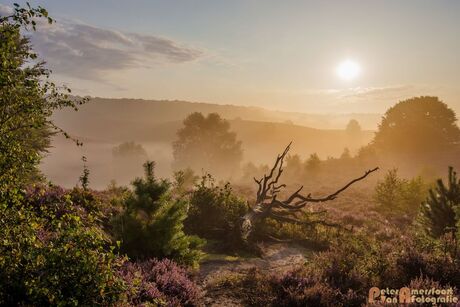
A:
x: 281, y: 55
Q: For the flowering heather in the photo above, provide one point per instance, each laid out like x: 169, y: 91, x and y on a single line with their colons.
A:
x: 160, y: 282
x: 301, y: 287
x: 53, y: 202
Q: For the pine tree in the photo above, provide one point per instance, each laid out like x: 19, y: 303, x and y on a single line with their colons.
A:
x: 440, y: 209
x: 152, y: 223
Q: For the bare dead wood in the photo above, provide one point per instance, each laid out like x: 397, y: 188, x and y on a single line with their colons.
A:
x: 267, y: 204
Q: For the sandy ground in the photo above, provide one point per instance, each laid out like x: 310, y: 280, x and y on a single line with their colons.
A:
x: 276, y: 258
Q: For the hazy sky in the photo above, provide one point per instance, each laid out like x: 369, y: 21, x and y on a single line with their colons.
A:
x: 276, y: 54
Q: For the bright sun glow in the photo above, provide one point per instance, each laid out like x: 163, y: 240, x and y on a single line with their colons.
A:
x: 348, y: 70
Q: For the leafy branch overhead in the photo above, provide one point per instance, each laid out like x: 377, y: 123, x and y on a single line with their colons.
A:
x: 28, y: 97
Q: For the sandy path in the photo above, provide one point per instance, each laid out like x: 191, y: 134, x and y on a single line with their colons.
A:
x: 276, y: 258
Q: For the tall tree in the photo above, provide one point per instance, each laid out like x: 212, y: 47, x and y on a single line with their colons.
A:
x: 27, y: 99
x: 417, y: 125
x: 206, y: 143
x: 353, y: 127
x: 48, y: 256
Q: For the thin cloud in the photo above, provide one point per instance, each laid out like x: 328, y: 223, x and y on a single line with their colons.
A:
x: 372, y: 93
x: 85, y: 51
x: 5, y: 10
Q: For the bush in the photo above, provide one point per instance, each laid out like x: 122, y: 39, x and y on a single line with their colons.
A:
x: 184, y: 181
x: 215, y: 212
x: 343, y: 275
x: 53, y: 254
x: 54, y: 201
x: 397, y: 197
x: 312, y: 165
x: 129, y: 150
x: 440, y: 213
x: 436, y: 259
x: 352, y: 264
x: 161, y: 283
x: 298, y: 287
x: 152, y: 223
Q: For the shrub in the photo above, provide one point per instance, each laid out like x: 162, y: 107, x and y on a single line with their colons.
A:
x: 256, y: 288
x: 54, y: 201
x: 52, y: 253
x: 353, y: 264
x: 152, y: 223
x: 396, y: 196
x: 215, y: 212
x: 312, y: 165
x: 423, y: 282
x: 343, y: 275
x: 129, y: 150
x: 440, y: 213
x: 159, y: 283
x: 437, y: 259
x: 184, y: 181
x: 300, y: 288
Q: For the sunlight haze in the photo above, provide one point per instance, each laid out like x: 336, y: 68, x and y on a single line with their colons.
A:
x: 277, y: 55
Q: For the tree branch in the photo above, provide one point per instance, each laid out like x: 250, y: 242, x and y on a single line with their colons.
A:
x: 303, y: 200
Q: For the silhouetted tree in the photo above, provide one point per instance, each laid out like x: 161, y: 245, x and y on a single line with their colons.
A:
x: 206, y: 143
x: 129, y: 150
x: 312, y: 164
x: 353, y: 127
x: 294, y: 166
x: 345, y: 154
x: 417, y: 125
x: 127, y: 161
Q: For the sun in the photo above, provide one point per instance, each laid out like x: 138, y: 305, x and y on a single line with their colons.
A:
x: 348, y: 70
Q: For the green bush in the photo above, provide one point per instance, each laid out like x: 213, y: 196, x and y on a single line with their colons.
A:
x: 215, y: 212
x: 151, y: 225
x: 184, y: 181
x: 440, y: 213
x: 398, y: 197
x: 28, y: 99
x: 53, y: 254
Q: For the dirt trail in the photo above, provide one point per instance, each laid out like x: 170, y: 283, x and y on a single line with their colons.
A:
x: 276, y: 258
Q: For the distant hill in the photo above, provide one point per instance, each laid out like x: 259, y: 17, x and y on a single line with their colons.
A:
x: 128, y: 111
x: 105, y: 123
x: 143, y: 121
